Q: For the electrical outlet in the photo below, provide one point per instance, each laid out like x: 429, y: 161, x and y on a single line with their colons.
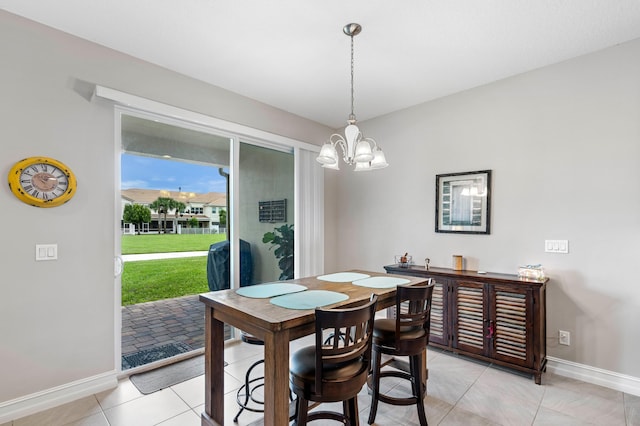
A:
x: 564, y: 337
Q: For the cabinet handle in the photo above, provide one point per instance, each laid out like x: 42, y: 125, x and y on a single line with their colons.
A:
x: 492, y: 330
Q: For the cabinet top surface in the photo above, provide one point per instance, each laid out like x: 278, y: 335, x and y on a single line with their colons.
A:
x: 451, y: 273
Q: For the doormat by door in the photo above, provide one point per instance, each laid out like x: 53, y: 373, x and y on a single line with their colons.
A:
x: 148, y: 356
x: 164, y: 377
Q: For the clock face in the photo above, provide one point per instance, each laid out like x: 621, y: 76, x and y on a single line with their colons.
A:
x: 42, y: 182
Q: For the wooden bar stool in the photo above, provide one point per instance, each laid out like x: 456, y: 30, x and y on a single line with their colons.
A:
x: 405, y: 335
x: 334, y: 370
x: 245, y: 393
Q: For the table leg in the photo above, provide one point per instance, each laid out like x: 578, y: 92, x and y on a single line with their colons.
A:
x: 213, y: 370
x: 276, y: 381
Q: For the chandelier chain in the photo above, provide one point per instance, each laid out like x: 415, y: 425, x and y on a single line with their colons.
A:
x: 353, y: 116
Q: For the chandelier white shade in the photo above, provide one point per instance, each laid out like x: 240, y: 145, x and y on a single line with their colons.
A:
x: 357, y: 150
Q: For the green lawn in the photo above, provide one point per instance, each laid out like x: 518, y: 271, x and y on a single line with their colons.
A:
x: 165, y: 243
x: 149, y: 280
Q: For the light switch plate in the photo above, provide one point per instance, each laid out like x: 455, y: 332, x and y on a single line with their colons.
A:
x: 46, y: 252
x: 556, y: 246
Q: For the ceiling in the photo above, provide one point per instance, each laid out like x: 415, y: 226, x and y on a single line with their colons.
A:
x: 292, y: 54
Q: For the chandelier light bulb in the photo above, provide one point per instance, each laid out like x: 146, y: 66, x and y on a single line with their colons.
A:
x: 328, y: 154
x: 362, y: 167
x: 379, y: 161
x: 363, y: 153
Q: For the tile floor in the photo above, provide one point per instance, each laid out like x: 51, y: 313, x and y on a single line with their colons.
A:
x: 460, y: 392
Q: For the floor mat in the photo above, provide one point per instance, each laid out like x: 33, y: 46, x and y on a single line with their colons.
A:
x: 148, y: 356
x: 164, y: 377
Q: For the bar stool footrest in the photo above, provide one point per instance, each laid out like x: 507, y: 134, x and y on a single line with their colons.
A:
x: 394, y: 400
x: 245, y: 392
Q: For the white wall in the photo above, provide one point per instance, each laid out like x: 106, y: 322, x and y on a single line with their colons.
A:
x: 57, y: 317
x: 563, y: 144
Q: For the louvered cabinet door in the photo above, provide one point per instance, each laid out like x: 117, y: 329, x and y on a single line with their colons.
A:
x: 469, y: 316
x: 511, y: 328
x: 439, y: 328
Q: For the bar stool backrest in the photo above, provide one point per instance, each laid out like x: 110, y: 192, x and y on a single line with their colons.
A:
x: 413, y: 314
x: 343, y: 336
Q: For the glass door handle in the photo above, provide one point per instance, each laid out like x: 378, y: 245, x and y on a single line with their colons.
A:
x: 118, y: 265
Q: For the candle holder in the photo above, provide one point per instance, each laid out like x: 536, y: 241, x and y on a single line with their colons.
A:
x: 404, y: 261
x: 457, y: 262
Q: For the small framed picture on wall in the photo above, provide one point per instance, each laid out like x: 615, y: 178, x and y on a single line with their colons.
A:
x: 463, y: 202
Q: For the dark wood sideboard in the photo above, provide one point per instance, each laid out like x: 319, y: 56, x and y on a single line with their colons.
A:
x: 498, y: 318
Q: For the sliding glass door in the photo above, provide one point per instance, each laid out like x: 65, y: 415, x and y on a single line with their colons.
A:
x: 271, y: 183
x: 265, y: 213
x: 173, y: 196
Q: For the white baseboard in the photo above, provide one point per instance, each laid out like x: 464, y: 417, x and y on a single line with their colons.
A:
x: 596, y: 376
x: 39, y: 401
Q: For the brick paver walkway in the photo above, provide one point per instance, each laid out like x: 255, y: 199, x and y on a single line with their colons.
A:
x: 152, y: 324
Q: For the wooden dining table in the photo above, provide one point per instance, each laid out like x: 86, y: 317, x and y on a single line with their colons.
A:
x: 276, y: 326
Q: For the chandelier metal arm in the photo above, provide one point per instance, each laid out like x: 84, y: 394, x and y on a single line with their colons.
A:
x: 337, y: 139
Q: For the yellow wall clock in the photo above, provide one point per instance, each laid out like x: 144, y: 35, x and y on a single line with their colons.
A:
x: 42, y: 182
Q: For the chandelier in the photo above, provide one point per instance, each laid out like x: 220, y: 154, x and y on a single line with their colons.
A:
x: 356, y: 149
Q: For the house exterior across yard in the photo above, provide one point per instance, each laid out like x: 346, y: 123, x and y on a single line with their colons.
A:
x: 204, y: 207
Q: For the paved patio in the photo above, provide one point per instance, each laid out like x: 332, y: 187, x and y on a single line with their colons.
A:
x: 153, y: 324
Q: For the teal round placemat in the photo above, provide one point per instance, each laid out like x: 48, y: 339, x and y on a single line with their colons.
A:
x: 343, y: 277
x: 264, y: 291
x: 309, y: 299
x: 381, y: 282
